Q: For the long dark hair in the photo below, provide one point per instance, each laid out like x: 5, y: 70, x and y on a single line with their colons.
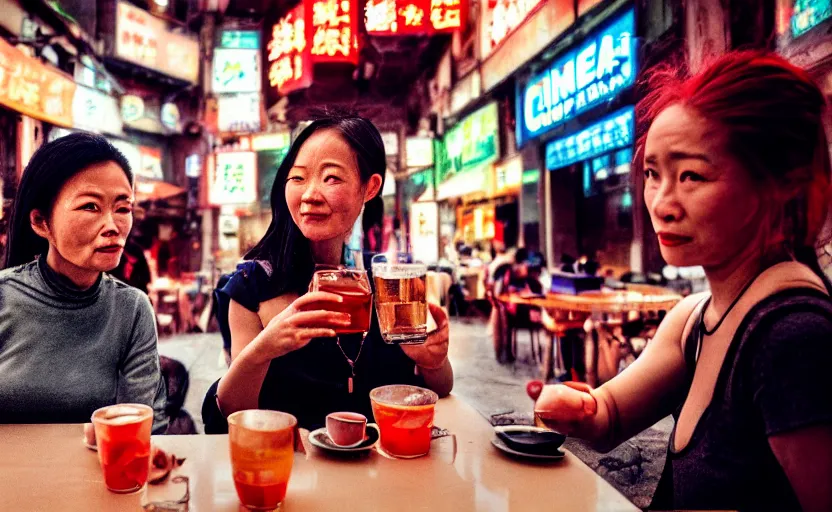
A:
x: 283, y: 245
x: 771, y: 115
x: 52, y: 165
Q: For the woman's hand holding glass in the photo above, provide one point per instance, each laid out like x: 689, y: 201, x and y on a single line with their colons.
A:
x: 432, y: 354
x: 309, y: 316
x: 567, y: 408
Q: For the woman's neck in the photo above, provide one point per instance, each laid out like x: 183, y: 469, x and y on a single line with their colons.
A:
x: 728, y: 280
x: 328, y: 252
x: 83, y: 279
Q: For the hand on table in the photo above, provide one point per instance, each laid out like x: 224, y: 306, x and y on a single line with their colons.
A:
x: 432, y: 354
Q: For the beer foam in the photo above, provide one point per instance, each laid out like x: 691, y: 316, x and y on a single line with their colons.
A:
x: 399, y: 271
x: 124, y: 420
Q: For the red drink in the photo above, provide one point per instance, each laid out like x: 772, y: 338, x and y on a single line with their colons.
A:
x: 123, y: 437
x: 358, y: 303
x: 404, y: 415
x: 405, y: 431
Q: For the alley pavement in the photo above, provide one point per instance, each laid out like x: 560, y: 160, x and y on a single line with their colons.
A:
x: 497, y: 391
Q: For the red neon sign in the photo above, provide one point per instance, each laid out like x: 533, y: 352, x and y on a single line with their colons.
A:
x: 397, y: 17
x: 332, y: 30
x: 405, y: 17
x: 290, y: 67
x: 447, y: 15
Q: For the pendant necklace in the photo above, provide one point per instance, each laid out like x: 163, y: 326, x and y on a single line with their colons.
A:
x: 350, y: 361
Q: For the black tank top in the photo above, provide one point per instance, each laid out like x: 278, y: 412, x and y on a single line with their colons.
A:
x: 771, y: 381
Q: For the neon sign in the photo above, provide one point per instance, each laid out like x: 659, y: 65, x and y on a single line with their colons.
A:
x: 584, y: 78
x: 808, y: 14
x: 400, y: 17
x: 288, y: 54
x: 613, y: 132
x: 392, y: 17
x: 332, y: 30
x: 504, y: 16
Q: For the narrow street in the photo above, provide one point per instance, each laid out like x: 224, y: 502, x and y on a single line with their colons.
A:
x: 493, y: 389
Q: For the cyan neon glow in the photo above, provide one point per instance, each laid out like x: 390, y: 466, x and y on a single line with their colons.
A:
x: 583, y: 78
x: 613, y: 132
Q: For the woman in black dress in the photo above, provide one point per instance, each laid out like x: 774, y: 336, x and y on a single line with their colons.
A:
x: 284, y: 352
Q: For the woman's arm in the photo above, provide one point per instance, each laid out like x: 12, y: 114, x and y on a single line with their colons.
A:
x: 239, y: 389
x: 806, y: 457
x: 140, y: 376
x: 431, y: 358
x: 253, y: 346
x: 637, y: 398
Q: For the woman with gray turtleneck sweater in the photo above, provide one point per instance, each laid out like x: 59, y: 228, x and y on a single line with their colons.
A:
x: 72, y: 338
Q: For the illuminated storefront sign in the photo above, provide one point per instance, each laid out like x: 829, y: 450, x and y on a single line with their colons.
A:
x: 331, y: 28
x: 501, y: 17
x: 235, y: 179
x: 580, y: 80
x: 391, y: 143
x: 30, y: 87
x: 239, y: 112
x: 613, y: 132
x: 241, y: 39
x: 407, y: 17
x: 472, y: 142
x: 96, y: 111
x: 424, y: 231
x: 808, y: 14
x: 290, y: 67
x: 447, y: 15
x: 236, y: 70
x: 419, y: 151
x: 144, y: 39
x: 270, y: 141
x: 170, y: 117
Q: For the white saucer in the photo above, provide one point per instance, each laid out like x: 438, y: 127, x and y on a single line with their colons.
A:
x: 320, y: 439
x: 500, y: 445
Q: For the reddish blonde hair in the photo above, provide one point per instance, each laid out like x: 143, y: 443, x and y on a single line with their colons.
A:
x: 770, y: 114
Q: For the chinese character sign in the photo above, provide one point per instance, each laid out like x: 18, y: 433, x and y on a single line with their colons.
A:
x: 235, y: 179
x: 32, y: 88
x: 288, y: 53
x: 447, y: 15
x: 397, y: 17
x: 331, y: 30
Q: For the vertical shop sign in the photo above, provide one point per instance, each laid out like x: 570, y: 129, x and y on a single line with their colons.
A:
x: 332, y: 27
x: 290, y: 67
x: 235, y: 179
x: 236, y: 70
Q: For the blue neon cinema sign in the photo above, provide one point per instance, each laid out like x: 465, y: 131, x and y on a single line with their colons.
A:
x: 613, y: 132
x: 595, y: 72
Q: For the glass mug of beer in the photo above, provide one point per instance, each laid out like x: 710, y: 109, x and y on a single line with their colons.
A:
x: 400, y: 296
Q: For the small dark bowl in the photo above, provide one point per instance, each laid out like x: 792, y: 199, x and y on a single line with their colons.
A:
x: 533, y: 440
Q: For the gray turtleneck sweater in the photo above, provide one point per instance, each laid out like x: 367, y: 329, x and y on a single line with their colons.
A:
x: 64, y: 352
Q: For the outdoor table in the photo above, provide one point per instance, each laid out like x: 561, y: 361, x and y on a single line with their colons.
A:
x: 46, y: 467
x: 607, y: 307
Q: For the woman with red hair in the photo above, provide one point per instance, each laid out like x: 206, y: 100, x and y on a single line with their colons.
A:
x: 736, y: 179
